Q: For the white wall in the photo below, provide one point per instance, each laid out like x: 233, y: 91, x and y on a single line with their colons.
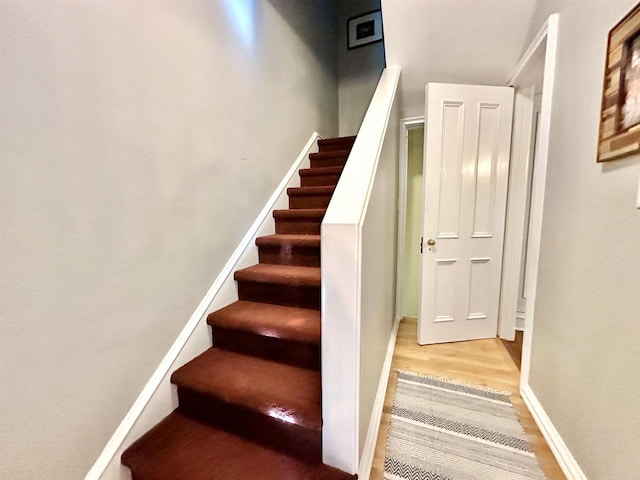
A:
x: 138, y: 143
x: 461, y: 41
x: 585, y: 349
x: 359, y: 69
x: 413, y: 230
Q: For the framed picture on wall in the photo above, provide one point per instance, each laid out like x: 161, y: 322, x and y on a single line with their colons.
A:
x: 620, y: 114
x: 364, y: 29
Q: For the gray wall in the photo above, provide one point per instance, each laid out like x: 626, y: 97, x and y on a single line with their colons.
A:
x: 359, y: 69
x: 586, y: 351
x: 139, y: 140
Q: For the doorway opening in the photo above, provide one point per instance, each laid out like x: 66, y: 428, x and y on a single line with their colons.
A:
x: 536, y: 67
x: 413, y: 226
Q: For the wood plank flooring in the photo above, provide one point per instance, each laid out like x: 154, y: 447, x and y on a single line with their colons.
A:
x: 479, y: 362
x: 515, y: 348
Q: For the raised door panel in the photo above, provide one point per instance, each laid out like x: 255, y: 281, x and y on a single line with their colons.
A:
x: 485, y: 170
x: 450, y: 183
x: 467, y: 147
x: 444, y: 300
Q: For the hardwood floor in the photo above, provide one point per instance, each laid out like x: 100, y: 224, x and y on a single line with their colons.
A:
x: 515, y: 348
x: 479, y: 362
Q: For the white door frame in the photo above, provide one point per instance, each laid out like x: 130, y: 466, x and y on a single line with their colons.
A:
x: 513, y: 250
x: 546, y: 39
x: 406, y: 124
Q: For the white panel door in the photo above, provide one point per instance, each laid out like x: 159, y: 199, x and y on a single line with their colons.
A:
x: 467, y: 149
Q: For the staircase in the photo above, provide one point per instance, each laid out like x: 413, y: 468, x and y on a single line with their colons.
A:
x: 250, y: 406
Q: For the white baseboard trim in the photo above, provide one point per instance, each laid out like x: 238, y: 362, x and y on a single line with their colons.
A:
x: 366, y: 461
x: 116, y: 441
x: 563, y: 455
x: 520, y: 321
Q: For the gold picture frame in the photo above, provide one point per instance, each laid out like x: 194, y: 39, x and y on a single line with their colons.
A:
x: 620, y: 114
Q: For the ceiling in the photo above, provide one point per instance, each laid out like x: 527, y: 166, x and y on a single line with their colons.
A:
x: 453, y: 41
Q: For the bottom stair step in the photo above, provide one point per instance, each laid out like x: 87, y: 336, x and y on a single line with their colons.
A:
x: 180, y: 448
x: 270, y: 403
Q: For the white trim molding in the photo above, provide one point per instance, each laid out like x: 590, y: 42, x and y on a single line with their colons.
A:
x: 563, y: 455
x: 550, y: 30
x: 157, y: 399
x: 366, y: 460
x: 406, y: 124
x: 515, y: 227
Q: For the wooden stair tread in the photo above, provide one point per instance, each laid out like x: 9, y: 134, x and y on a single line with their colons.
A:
x: 330, y: 154
x: 181, y: 448
x: 280, y: 391
x: 280, y: 275
x: 299, y: 213
x: 318, y: 171
x: 302, y: 249
x: 276, y: 321
x: 310, y: 191
x: 295, y: 240
x: 325, y: 141
x: 299, y: 220
x: 336, y: 143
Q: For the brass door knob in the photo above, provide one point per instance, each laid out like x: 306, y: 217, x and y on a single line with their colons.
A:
x: 431, y: 242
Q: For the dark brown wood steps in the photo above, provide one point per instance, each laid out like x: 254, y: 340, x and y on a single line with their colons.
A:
x: 299, y: 221
x: 289, y: 249
x: 319, y: 176
x: 291, y: 286
x: 331, y: 144
x: 270, y: 403
x: 334, y: 158
x: 182, y: 448
x: 274, y: 332
x: 310, y: 197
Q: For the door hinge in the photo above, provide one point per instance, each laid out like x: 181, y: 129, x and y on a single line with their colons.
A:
x: 421, y: 240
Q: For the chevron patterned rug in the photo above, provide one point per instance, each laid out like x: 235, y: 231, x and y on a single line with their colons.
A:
x: 446, y: 430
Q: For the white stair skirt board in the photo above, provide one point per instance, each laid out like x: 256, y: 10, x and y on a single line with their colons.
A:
x: 158, y: 397
x: 366, y: 461
x: 345, y: 230
x: 563, y: 455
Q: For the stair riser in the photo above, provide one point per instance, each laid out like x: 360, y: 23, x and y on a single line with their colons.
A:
x: 319, y: 180
x: 263, y: 429
x: 328, y: 162
x: 335, y: 148
x: 335, y: 145
x: 304, y: 297
x: 309, y: 201
x: 288, y: 255
x: 298, y: 354
x: 298, y: 226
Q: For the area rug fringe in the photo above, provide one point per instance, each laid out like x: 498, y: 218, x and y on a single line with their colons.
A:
x: 444, y: 429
